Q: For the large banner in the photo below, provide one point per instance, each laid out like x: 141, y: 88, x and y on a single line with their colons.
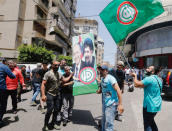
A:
x: 84, y: 64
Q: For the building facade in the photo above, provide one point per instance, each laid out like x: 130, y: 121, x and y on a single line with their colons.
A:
x: 152, y: 43
x: 48, y: 23
x: 84, y: 26
x: 100, y: 51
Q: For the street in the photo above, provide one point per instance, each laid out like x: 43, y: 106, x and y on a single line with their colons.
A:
x: 87, y: 112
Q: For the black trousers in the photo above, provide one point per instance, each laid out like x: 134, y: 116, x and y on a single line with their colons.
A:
x: 13, y: 94
x: 19, y: 91
x: 3, y: 102
x: 53, y: 106
x: 149, y: 122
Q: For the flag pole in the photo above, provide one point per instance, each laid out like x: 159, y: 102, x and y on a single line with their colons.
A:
x: 123, y: 55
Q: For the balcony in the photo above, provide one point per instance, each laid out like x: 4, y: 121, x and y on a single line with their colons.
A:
x: 38, y: 35
x: 41, y: 20
x: 57, y: 40
x: 64, y: 8
x: 42, y: 5
x: 60, y: 28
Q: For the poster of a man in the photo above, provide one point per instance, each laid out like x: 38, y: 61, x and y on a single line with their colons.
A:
x: 84, y: 64
x: 88, y: 53
x: 77, y: 56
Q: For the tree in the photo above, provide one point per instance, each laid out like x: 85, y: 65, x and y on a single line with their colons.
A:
x: 0, y: 54
x: 33, y: 53
x: 67, y: 58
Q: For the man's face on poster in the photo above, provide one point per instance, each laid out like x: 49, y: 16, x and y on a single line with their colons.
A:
x: 88, y: 54
x: 77, y: 54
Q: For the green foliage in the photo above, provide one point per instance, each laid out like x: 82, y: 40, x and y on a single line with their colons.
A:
x: 33, y: 53
x: 67, y: 58
x: 0, y: 54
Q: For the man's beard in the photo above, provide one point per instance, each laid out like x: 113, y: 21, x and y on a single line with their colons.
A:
x: 55, y: 69
x: 148, y: 73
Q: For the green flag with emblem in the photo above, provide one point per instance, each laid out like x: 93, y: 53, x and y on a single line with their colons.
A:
x: 124, y: 16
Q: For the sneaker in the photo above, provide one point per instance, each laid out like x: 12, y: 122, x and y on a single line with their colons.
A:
x: 33, y: 103
x: 57, y: 126
x: 64, y: 122
x: 45, y: 128
x: 19, y: 100
x: 118, y: 118
x: 43, y: 110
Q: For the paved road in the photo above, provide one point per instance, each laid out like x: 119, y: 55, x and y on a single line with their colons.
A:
x: 87, y: 111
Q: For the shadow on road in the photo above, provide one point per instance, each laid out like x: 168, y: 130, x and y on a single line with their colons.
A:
x: 83, y: 117
x: 167, y: 98
x: 11, y: 111
x: 8, y: 120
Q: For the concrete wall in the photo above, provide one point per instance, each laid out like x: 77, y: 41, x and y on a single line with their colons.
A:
x: 28, y: 25
x: 10, y: 10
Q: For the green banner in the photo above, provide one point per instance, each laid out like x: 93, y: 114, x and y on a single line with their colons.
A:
x: 84, y: 64
x: 124, y: 16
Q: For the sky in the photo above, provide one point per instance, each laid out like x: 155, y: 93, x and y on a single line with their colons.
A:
x: 94, y: 7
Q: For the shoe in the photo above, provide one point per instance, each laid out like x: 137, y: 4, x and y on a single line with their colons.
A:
x: 57, y: 126
x: 43, y: 110
x: 33, y: 103
x: 45, y: 128
x: 118, y: 118
x: 64, y: 122
x: 19, y: 100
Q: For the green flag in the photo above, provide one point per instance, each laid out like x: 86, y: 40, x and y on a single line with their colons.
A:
x: 122, y: 17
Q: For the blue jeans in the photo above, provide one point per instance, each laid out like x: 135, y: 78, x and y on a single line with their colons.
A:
x: 149, y: 122
x: 108, y: 117
x: 37, y: 89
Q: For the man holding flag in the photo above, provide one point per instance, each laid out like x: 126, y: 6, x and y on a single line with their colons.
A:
x: 122, y: 17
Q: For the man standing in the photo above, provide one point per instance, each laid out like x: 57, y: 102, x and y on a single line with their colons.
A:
x: 111, y: 99
x: 67, y: 96
x: 12, y: 84
x: 42, y: 72
x: 4, y: 72
x: 119, y: 74
x: 50, y: 84
x: 152, y: 97
x: 20, y: 88
x: 88, y: 54
x: 36, y: 81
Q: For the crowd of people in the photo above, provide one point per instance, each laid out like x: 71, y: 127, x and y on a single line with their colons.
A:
x: 55, y: 86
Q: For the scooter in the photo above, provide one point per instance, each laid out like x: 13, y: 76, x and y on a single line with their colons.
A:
x: 130, y: 85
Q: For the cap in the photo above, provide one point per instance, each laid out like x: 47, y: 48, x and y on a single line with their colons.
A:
x: 39, y: 65
x: 104, y: 67
x: 120, y: 63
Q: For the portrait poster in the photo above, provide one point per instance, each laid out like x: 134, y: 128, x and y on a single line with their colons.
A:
x: 84, y: 64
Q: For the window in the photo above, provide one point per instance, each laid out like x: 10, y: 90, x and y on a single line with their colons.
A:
x: 86, y: 28
x: 76, y: 27
x: 157, y: 61
x: 53, y: 4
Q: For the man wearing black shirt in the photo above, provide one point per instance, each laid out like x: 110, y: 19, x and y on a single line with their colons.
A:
x: 67, y: 97
x: 42, y: 72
